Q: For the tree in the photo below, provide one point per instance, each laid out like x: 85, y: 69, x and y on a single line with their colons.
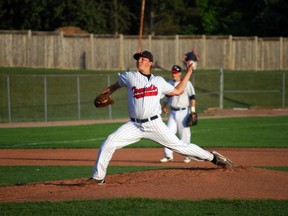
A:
x: 249, y: 18
x: 162, y: 17
x: 42, y: 15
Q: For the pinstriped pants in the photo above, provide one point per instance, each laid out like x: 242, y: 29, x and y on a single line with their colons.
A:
x: 177, y: 122
x: 132, y: 132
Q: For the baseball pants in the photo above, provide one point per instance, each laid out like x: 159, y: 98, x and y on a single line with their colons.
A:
x: 132, y: 132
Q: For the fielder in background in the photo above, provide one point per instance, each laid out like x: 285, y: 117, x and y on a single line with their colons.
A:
x: 144, y: 92
x: 193, y: 55
x: 180, y: 108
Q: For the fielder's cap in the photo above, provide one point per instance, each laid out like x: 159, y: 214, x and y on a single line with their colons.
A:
x: 176, y: 69
x: 145, y: 54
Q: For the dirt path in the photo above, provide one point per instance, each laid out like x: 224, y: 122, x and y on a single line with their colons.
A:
x: 193, y: 181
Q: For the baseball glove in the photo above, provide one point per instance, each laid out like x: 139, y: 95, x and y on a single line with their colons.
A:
x: 192, y: 119
x: 103, y: 100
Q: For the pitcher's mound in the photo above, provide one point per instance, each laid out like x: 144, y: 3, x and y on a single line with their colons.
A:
x: 177, y: 183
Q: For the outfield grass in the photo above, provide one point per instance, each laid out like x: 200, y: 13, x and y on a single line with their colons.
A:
x: 242, y: 89
x: 149, y: 207
x: 248, y: 132
x: 21, y: 175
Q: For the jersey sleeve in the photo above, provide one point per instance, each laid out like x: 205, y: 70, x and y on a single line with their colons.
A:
x: 122, y: 78
x: 166, y: 87
x: 190, y: 89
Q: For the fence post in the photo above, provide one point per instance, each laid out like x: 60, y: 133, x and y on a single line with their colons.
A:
x: 78, y: 97
x: 231, y: 60
x: 283, y: 90
x: 203, y: 51
x: 28, y: 49
x: 281, y: 54
x: 255, y: 67
x: 149, y: 42
x: 45, y: 98
x: 110, y: 107
x: 177, y: 49
x: 9, y: 99
x: 121, y: 54
x: 62, y: 56
x: 221, y: 90
x: 92, y: 57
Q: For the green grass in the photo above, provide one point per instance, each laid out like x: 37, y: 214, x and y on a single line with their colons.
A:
x: 246, y: 132
x: 285, y: 169
x: 27, y: 92
x: 85, y: 136
x: 143, y: 206
x: 21, y: 175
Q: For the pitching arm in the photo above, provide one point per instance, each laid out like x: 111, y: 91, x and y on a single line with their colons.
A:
x: 179, y: 89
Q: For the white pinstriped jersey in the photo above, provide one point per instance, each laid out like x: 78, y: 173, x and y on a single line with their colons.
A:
x: 144, y: 102
x: 144, y: 95
x: 182, y: 100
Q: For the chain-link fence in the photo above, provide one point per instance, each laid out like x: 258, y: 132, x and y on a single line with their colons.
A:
x: 26, y: 98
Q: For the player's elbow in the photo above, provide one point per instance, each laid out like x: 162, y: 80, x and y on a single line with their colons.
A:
x: 178, y: 92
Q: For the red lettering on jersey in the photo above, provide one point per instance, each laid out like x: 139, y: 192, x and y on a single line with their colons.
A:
x: 144, y: 92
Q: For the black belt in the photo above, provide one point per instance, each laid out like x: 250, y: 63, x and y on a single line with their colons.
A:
x: 177, y: 109
x: 144, y: 120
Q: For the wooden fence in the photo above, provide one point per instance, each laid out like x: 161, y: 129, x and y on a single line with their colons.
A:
x: 114, y: 52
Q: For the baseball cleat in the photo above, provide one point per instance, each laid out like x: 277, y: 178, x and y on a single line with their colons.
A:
x: 187, y: 159
x: 222, y: 161
x: 166, y: 159
x: 95, y: 181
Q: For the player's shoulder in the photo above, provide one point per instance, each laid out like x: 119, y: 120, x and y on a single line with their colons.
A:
x: 158, y: 78
x: 189, y: 83
x: 128, y: 73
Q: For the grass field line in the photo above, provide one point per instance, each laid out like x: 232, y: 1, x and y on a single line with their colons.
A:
x: 60, y: 142
x: 265, y: 125
x: 246, y: 127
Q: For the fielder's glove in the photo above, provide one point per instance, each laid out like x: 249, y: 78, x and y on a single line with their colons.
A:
x: 103, y: 100
x: 192, y: 119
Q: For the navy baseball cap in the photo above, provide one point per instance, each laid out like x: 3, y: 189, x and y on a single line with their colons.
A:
x: 176, y: 69
x: 145, y: 54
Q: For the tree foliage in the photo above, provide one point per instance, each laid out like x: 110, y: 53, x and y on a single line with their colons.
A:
x: 162, y: 17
